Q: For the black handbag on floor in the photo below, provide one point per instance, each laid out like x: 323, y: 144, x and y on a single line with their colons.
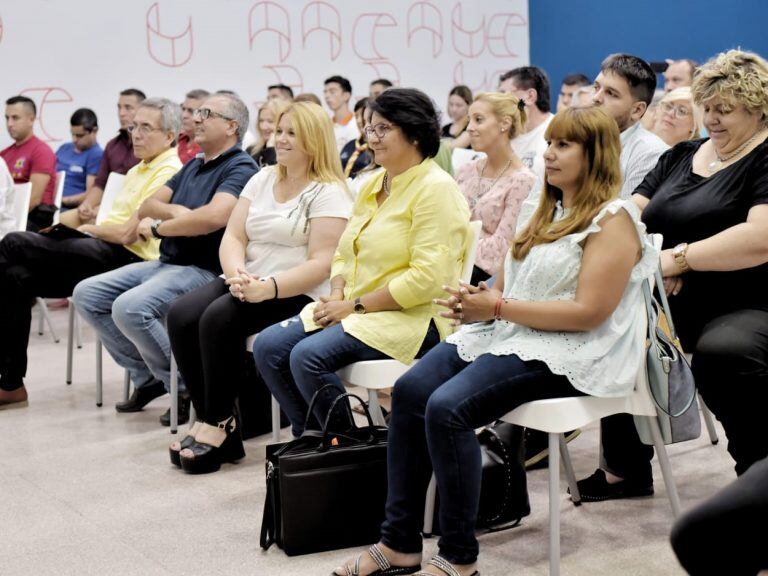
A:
x: 326, y: 490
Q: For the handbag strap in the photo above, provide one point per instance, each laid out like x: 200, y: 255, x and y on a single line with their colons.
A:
x: 665, y: 303
x: 313, y: 401
x: 336, y: 402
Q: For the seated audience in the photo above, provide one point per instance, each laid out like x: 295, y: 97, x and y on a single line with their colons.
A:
x: 355, y: 155
x: 80, y: 159
x: 187, y: 146
x: 372, y: 169
x: 677, y: 120
x: 118, y: 157
x: 709, y: 199
x: 280, y: 91
x: 378, y: 86
x: 33, y: 264
x: 495, y: 186
x: 308, y: 97
x: 30, y: 160
x: 648, y: 121
x: 679, y: 73
x: 459, y: 100
x: 7, y: 214
x: 560, y: 321
x: 568, y: 88
x: 263, y: 150
x: 337, y: 93
x: 406, y: 238
x: 127, y: 306
x: 276, y: 255
x: 582, y: 97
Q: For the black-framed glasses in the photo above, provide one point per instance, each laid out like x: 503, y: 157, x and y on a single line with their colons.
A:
x: 205, y: 113
x: 381, y: 130
x: 143, y: 129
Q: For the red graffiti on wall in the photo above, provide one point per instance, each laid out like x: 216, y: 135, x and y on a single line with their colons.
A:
x: 1, y: 29
x: 385, y: 69
x: 468, y: 42
x: 364, y: 34
x: 426, y: 17
x: 322, y: 17
x: 166, y: 49
x: 475, y: 85
x: 288, y: 75
x: 43, y: 97
x: 271, y: 18
x: 500, y: 27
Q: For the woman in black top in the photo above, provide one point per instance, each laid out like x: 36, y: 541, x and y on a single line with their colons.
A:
x: 355, y: 155
x: 709, y: 199
x: 455, y: 132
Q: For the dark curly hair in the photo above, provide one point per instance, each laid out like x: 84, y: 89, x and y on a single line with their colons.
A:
x: 414, y: 113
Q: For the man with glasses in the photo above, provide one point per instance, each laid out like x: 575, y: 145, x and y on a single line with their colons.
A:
x: 127, y: 307
x: 187, y: 146
x: 118, y: 157
x: 79, y: 159
x: 47, y: 265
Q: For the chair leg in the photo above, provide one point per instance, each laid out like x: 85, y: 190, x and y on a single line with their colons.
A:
x: 666, y: 470
x: 709, y: 422
x: 554, y: 505
x: 99, y: 374
x: 78, y: 329
x: 375, y: 408
x: 275, y: 420
x: 174, y: 396
x: 45, y: 316
x: 429, y: 506
x: 70, y: 342
x: 569, y: 474
x: 126, y: 385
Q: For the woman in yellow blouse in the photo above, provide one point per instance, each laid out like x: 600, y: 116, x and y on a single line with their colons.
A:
x: 405, y: 240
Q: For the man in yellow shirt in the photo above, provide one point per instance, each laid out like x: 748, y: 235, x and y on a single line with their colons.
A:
x: 51, y: 264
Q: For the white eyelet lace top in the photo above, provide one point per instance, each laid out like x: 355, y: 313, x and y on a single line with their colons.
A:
x: 600, y: 362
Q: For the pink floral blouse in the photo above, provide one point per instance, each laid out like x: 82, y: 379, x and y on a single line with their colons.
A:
x: 497, y: 207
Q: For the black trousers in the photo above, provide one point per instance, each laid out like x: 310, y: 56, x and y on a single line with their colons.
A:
x: 40, y: 217
x: 726, y: 534
x: 32, y: 265
x: 730, y: 366
x: 208, y: 328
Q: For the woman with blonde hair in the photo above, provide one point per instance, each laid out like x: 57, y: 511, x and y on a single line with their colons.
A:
x: 560, y: 321
x: 263, y: 150
x: 677, y: 119
x: 276, y: 256
x: 496, y: 186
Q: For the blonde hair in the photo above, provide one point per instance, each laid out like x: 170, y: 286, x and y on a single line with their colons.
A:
x: 314, y: 134
x: 684, y: 93
x: 598, y: 134
x: 276, y: 106
x: 505, y: 106
x: 736, y: 77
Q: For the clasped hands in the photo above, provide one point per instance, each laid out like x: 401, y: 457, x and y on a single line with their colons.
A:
x: 249, y: 288
x: 332, y: 309
x: 467, y: 303
x: 670, y: 272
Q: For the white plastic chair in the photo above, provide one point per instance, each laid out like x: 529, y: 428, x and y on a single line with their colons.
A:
x: 21, y: 195
x: 461, y: 156
x: 61, y: 176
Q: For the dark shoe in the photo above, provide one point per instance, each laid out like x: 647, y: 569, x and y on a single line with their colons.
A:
x: 537, y: 447
x: 596, y: 488
x: 206, y: 457
x: 184, y: 402
x: 176, y: 447
x: 13, y: 398
x: 141, y: 397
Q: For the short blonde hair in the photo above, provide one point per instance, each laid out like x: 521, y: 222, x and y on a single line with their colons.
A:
x: 737, y: 77
x: 505, y: 105
x: 684, y: 93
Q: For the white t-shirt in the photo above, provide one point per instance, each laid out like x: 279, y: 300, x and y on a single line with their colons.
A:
x: 345, y: 132
x: 530, y: 148
x: 7, y: 215
x: 278, y: 233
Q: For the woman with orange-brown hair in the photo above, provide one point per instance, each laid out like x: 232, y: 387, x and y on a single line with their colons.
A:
x: 560, y: 321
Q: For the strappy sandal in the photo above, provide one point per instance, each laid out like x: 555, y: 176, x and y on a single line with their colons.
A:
x: 445, y: 566
x: 385, y: 568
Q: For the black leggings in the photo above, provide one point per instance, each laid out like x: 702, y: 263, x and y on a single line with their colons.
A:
x: 726, y: 534
x: 208, y: 328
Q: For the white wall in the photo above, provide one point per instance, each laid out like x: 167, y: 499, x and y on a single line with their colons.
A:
x: 67, y: 54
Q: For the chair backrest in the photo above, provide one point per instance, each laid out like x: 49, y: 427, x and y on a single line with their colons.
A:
x: 21, y: 195
x: 111, y: 190
x: 471, y: 253
x: 461, y: 156
x: 60, y: 177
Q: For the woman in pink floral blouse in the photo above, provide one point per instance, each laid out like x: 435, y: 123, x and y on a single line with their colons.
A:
x: 495, y: 186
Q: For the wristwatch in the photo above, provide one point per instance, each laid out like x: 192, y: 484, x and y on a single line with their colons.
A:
x: 679, y: 252
x: 153, y: 229
x: 359, y: 307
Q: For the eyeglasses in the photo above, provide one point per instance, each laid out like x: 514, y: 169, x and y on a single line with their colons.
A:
x: 205, y: 113
x: 678, y: 111
x: 381, y: 130
x: 143, y: 129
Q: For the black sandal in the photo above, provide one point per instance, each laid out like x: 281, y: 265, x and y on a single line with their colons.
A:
x: 445, y: 566
x: 385, y: 568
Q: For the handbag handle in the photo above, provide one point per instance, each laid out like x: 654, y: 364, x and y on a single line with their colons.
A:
x: 326, y: 439
x: 314, y: 400
x: 665, y: 303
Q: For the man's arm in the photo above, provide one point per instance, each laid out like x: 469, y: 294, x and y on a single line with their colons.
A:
x: 125, y: 233
x: 39, y: 183
x: 204, y: 220
x: 158, y: 206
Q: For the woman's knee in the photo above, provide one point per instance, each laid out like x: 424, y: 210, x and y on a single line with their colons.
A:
x: 268, y: 347
x: 442, y: 409
x: 182, y: 316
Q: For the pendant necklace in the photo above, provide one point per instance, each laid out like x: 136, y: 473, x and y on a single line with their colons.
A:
x: 715, y: 165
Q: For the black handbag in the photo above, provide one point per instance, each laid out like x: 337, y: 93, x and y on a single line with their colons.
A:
x: 326, y: 490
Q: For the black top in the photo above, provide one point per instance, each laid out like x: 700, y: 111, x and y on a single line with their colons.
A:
x: 687, y: 207
x: 446, y: 132
x: 194, y: 186
x: 267, y: 156
x: 362, y: 160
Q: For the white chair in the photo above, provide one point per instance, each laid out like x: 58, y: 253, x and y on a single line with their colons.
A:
x: 461, y: 156
x: 61, y: 176
x: 21, y: 195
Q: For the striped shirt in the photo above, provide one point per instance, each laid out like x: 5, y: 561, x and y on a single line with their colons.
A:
x: 640, y: 150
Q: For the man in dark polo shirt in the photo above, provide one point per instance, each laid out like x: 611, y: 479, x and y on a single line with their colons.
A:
x: 127, y: 306
x: 118, y: 157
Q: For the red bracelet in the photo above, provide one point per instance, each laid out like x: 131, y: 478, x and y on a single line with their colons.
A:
x: 497, y: 309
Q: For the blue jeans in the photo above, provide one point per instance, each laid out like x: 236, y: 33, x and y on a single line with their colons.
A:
x: 295, y: 364
x: 436, y: 407
x: 127, y: 308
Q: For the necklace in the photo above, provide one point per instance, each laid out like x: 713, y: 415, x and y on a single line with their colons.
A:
x: 385, y: 185
x: 715, y: 165
x: 482, y: 171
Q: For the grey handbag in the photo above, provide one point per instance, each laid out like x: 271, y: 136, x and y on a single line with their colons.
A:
x: 669, y: 375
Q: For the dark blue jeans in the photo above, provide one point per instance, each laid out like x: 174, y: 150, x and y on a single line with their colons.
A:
x: 295, y: 364
x: 436, y: 407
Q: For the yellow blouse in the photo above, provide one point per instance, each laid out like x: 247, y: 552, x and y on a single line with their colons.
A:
x: 414, y: 243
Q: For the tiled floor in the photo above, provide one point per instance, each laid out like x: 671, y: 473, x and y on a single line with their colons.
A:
x: 85, y: 491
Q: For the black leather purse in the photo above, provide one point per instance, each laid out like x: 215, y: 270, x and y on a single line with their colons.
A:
x: 326, y: 490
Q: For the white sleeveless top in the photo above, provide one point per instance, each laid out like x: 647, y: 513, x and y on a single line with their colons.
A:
x: 600, y: 362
